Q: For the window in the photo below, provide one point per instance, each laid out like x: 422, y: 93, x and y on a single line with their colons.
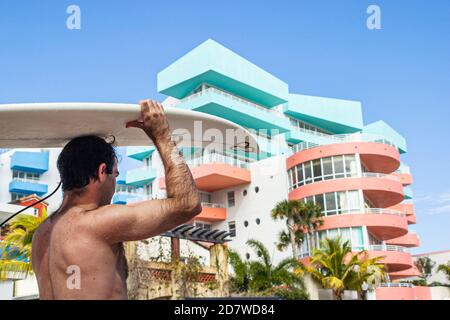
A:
x: 26, y: 176
x: 258, y: 220
x: 317, y: 170
x: 350, y: 166
x: 16, y: 196
x: 244, y: 192
x: 205, y: 197
x: 308, y: 173
x: 338, y: 162
x: 299, y: 175
x: 203, y: 225
x: 330, y: 202
x: 230, y: 198
x: 327, y: 168
x: 232, y: 228
x: 256, y: 189
x: 246, y: 223
x: 247, y: 256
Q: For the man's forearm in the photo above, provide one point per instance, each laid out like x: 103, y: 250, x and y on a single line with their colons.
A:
x: 179, y: 181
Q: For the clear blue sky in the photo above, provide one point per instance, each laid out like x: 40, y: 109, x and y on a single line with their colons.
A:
x: 401, y: 73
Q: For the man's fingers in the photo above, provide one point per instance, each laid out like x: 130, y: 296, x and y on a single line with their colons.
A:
x: 134, y: 124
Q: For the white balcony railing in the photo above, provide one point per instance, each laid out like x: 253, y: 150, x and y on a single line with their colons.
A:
x: 380, y: 175
x: 384, y: 211
x: 387, y: 247
x: 233, y: 97
x: 396, y: 285
x: 343, y: 138
x: 212, y: 205
x: 216, y: 158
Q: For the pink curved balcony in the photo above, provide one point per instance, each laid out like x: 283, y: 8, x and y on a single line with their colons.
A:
x: 408, y: 240
x: 405, y: 178
x: 211, y: 177
x: 212, y: 212
x: 411, y: 272
x: 402, y: 292
x: 408, y: 209
x: 377, y: 157
x: 382, y: 223
x: 395, y: 258
x: 383, y: 190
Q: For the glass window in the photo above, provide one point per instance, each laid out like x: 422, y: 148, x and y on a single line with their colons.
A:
x: 317, y: 170
x: 350, y: 166
x: 330, y: 202
x: 232, y: 228
x: 300, y: 174
x: 308, y: 173
x: 230, y: 198
x: 341, y: 202
x: 319, y: 201
x: 327, y: 168
x: 353, y: 201
x: 357, y: 238
x: 333, y: 233
x: 338, y: 166
x: 346, y: 235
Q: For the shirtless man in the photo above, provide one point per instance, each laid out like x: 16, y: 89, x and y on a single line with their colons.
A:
x: 84, y: 237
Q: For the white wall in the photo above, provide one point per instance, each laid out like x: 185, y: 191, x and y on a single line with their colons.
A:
x: 6, y: 290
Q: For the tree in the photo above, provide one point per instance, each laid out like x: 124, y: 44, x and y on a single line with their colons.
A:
x: 337, y: 268
x: 425, y: 266
x: 15, y: 248
x: 300, y: 217
x: 445, y: 269
x: 260, y: 276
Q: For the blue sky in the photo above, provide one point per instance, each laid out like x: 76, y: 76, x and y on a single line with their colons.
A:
x: 400, y: 73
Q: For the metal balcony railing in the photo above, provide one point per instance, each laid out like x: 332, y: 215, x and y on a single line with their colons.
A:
x: 384, y: 211
x: 343, y: 138
x: 212, y: 205
x: 396, y: 285
x: 387, y: 247
x: 216, y: 158
x: 233, y: 97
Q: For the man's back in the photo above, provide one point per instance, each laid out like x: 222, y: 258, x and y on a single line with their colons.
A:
x: 72, y: 261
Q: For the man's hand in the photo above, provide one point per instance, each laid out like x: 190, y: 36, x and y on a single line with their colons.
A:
x: 153, y: 121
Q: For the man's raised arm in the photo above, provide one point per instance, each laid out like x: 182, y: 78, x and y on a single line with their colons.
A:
x: 149, y: 218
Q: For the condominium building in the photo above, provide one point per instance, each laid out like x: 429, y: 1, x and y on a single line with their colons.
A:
x: 310, y: 148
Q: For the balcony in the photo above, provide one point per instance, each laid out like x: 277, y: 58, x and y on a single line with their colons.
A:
x: 243, y: 112
x: 382, y: 223
x: 402, y: 291
x: 411, y: 272
x: 377, y: 156
x: 33, y: 162
x: 140, y: 176
x: 408, y: 240
x: 334, y: 115
x: 396, y: 258
x: 383, y: 190
x: 214, y: 172
x: 140, y: 153
x: 28, y: 187
x: 212, y: 63
x: 212, y: 212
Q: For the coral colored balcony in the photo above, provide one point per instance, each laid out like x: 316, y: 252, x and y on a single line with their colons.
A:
x: 411, y: 272
x: 405, y: 178
x: 212, y: 212
x: 408, y: 209
x: 396, y: 258
x: 215, y: 172
x: 382, y: 190
x: 382, y: 223
x: 377, y: 157
x: 399, y: 291
x: 408, y: 240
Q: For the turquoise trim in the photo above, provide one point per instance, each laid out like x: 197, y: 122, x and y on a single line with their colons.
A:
x: 140, y: 153
x: 33, y: 162
x: 383, y: 129
x: 212, y: 63
x: 140, y: 176
x: 238, y: 112
x: 334, y: 115
x: 28, y: 188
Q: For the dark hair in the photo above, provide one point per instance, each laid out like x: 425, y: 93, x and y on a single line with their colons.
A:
x: 79, y: 160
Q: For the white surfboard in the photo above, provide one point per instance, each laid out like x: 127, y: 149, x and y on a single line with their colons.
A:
x: 52, y: 125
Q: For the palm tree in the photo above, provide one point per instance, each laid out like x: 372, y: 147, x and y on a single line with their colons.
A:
x: 445, y: 269
x: 260, y: 276
x: 337, y: 268
x: 300, y: 217
x: 15, y: 248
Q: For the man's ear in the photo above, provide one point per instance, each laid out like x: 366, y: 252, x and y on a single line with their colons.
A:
x: 102, y: 174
